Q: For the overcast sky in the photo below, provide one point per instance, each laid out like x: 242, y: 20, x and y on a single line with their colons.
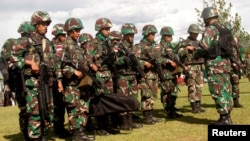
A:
x: 178, y: 14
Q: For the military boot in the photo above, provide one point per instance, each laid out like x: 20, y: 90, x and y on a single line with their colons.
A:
x: 125, y: 123
x: 194, y: 107
x: 155, y: 119
x: 147, y: 118
x: 172, y: 114
x: 100, y: 126
x: 131, y: 123
x: 237, y: 103
x: 198, y: 104
x: 80, y: 135
x: 223, y: 120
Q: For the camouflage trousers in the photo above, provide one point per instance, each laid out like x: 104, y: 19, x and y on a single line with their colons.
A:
x: 148, y: 94
x: 128, y: 85
x: 77, y: 108
x: 34, y: 118
x: 194, y: 83
x: 221, y: 91
x: 235, y: 81
x: 107, y: 83
x: 168, y: 89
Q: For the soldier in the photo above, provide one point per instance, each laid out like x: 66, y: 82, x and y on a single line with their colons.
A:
x: 101, y: 49
x: 170, y: 69
x: 235, y: 73
x: 218, y: 67
x: 68, y: 78
x: 37, y: 52
x: 146, y: 51
x: 127, y: 81
x: 59, y: 109
x: 194, y: 67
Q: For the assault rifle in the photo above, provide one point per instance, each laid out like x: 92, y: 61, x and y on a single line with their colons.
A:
x: 134, y: 63
x: 177, y: 61
x: 156, y: 66
x: 43, y: 91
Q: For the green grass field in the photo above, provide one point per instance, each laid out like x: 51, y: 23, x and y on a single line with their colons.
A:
x: 191, y: 127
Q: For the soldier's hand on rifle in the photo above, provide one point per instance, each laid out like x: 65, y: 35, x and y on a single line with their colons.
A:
x: 78, y: 73
x: 93, y: 67
x: 190, y: 48
x: 60, y: 86
x: 173, y: 63
x: 148, y: 65
x: 33, y: 65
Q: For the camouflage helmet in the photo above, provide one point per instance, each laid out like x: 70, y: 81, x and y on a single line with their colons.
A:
x: 209, y: 12
x: 102, y: 23
x: 73, y: 23
x: 115, y: 35
x: 25, y: 27
x: 167, y: 30
x: 194, y: 28
x: 128, y: 28
x: 58, y: 29
x: 7, y: 48
x: 40, y: 16
x: 85, y: 37
x: 228, y: 25
x: 147, y: 29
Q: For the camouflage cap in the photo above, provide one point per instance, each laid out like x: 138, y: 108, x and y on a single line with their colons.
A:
x: 194, y: 28
x: 115, y: 35
x: 102, y: 23
x: 7, y: 47
x: 128, y: 28
x: 25, y: 27
x: 167, y: 30
x: 73, y: 23
x: 209, y: 12
x: 58, y: 29
x: 147, y: 29
x: 40, y: 16
x: 85, y: 37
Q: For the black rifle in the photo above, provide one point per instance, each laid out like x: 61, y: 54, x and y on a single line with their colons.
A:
x: 156, y: 66
x: 174, y: 58
x: 134, y: 64
x: 110, y: 60
x: 44, y: 90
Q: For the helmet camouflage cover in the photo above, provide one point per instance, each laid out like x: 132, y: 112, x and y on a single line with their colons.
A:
x: 85, y: 37
x: 40, y: 16
x: 102, y: 23
x: 128, y: 28
x: 115, y: 35
x: 209, y: 12
x: 194, y: 28
x: 25, y: 27
x: 167, y: 30
x: 147, y: 29
x: 58, y: 29
x: 73, y: 23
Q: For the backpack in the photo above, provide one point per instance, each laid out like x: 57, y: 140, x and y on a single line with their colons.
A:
x: 226, y: 42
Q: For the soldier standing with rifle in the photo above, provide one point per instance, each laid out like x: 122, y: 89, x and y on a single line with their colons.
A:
x: 195, y: 78
x: 59, y: 105
x: 103, y: 57
x: 69, y: 76
x: 170, y: 63
x: 127, y: 81
x: 148, y: 53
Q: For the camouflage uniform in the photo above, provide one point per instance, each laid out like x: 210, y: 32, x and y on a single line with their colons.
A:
x: 67, y: 73
x: 194, y: 67
x: 148, y: 93
x: 99, y: 51
x: 217, y: 68
x: 169, y: 88
x: 59, y: 110
x: 126, y: 75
